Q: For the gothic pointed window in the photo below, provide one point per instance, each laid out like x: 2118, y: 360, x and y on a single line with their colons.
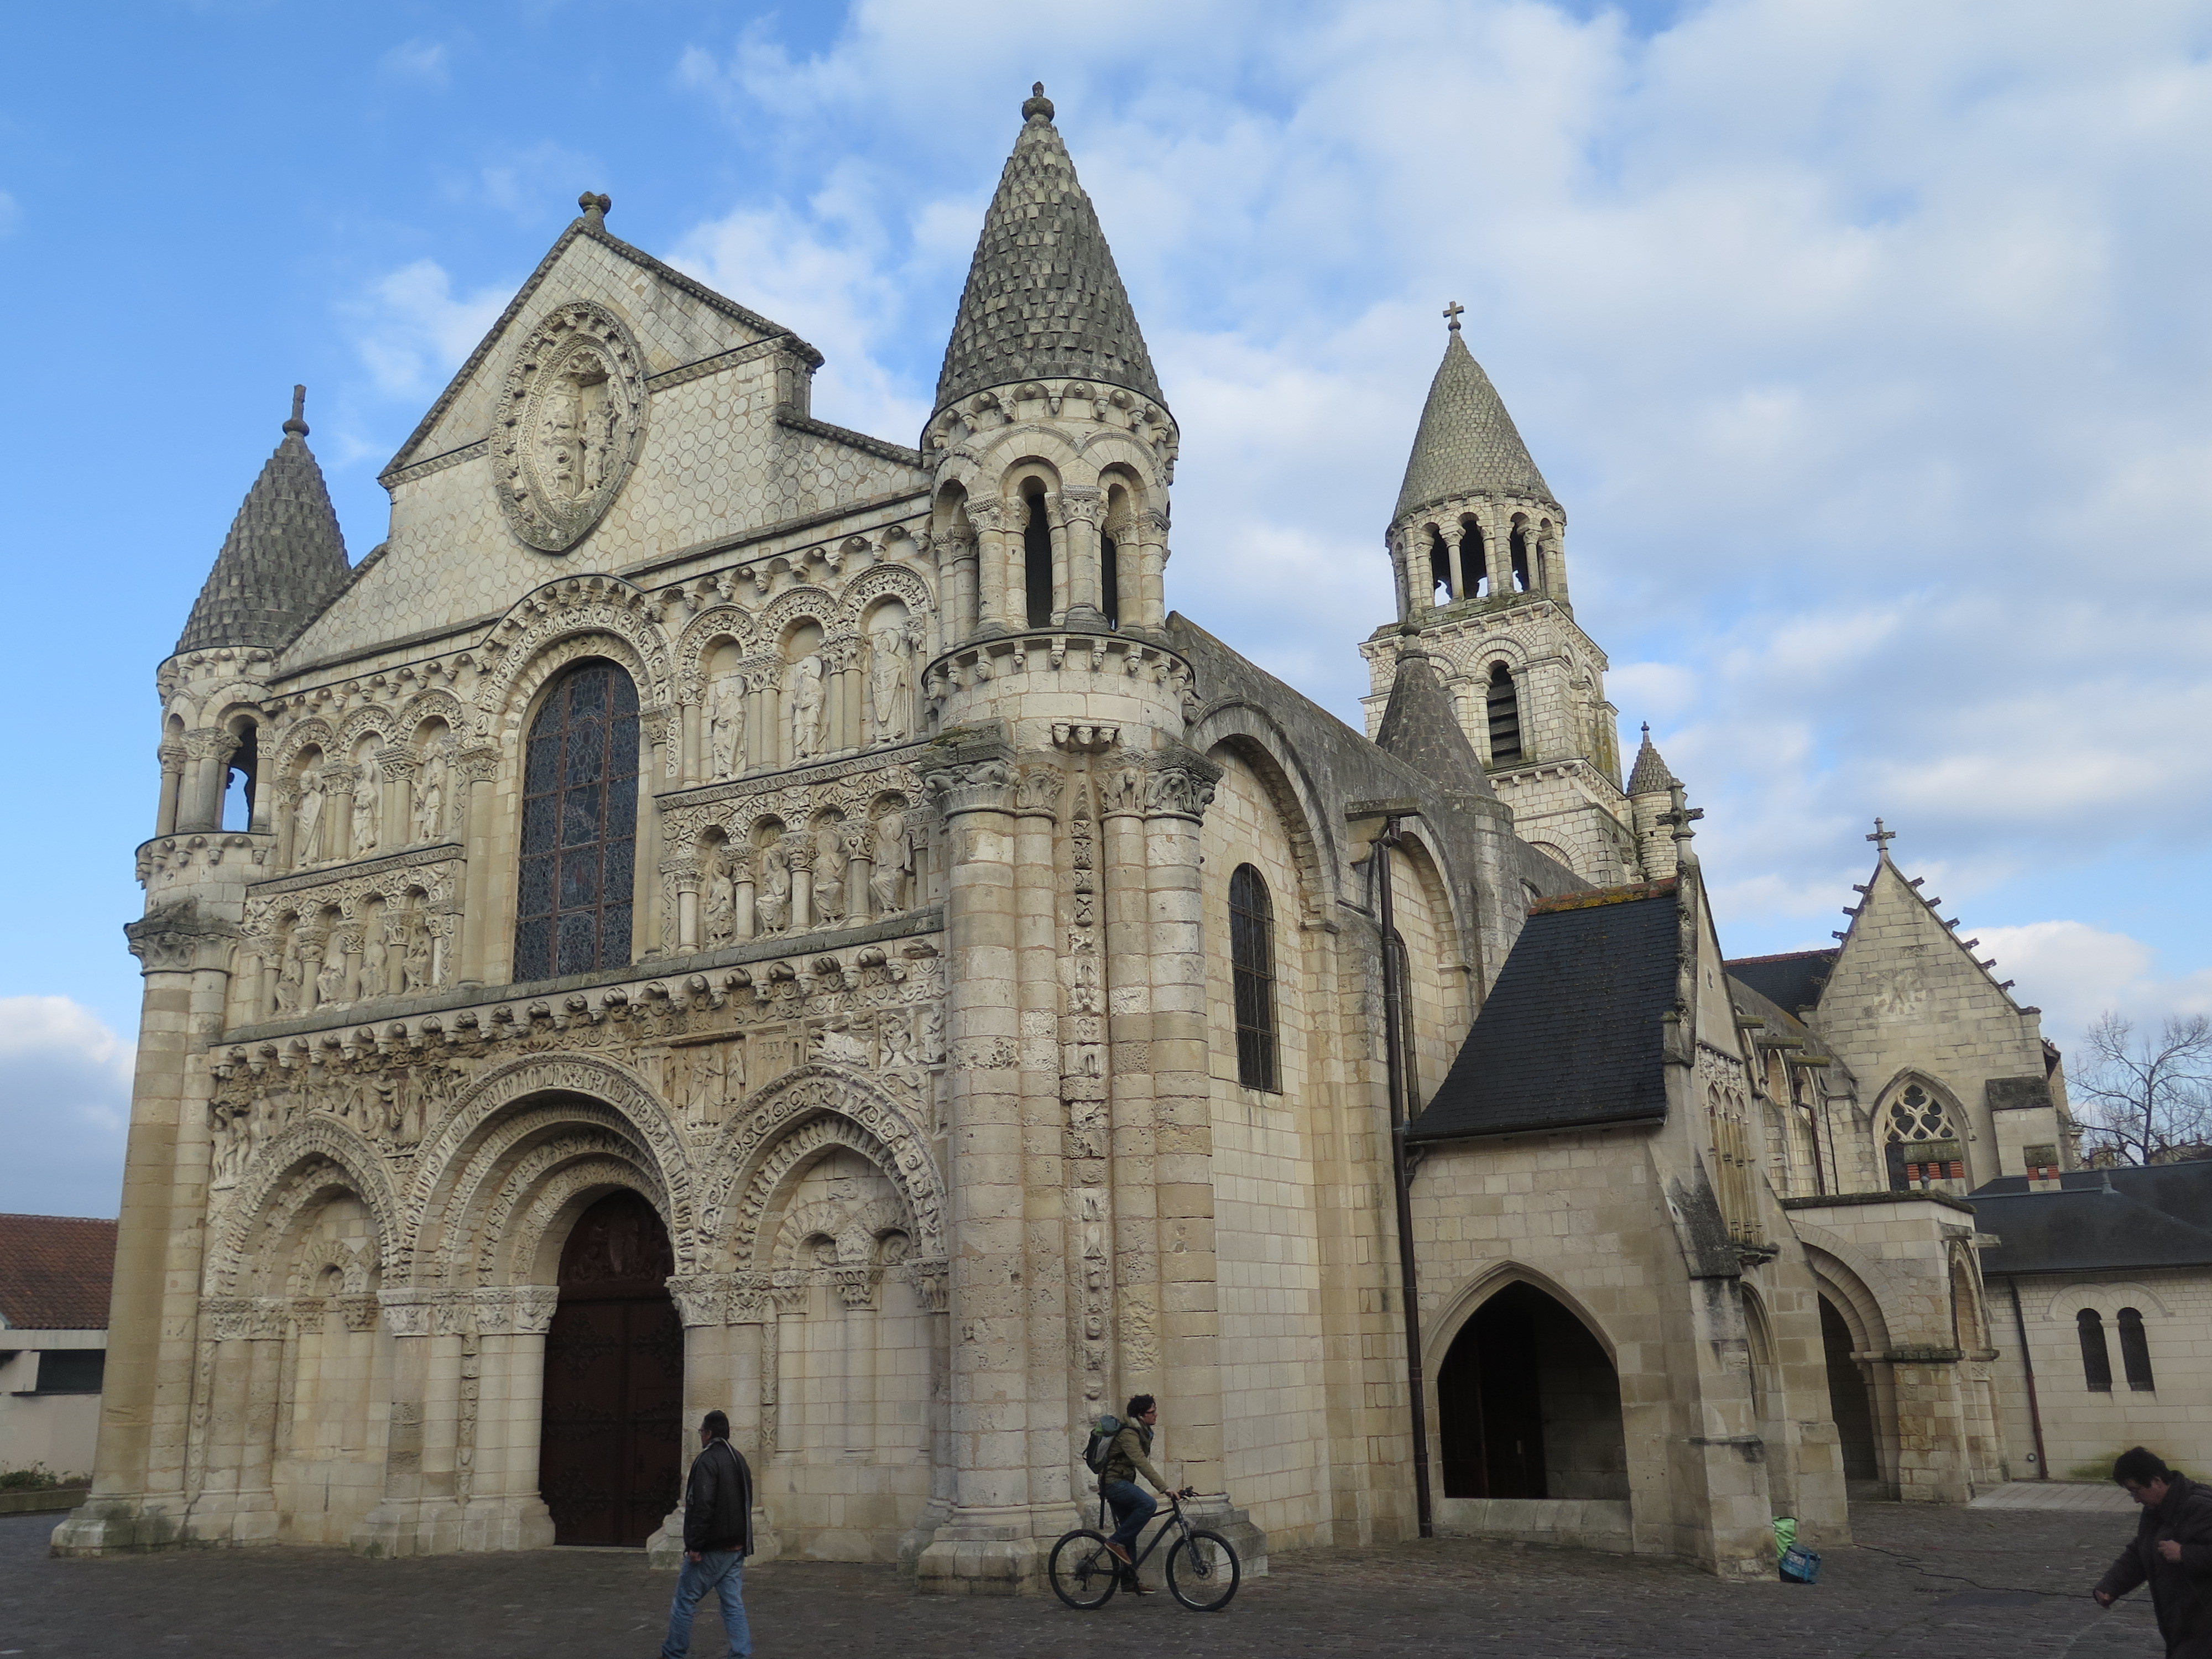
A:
x: 2135, y: 1351
x: 1252, y: 968
x: 1037, y: 561
x: 578, y: 826
x: 1921, y: 1144
x: 1503, y: 706
x: 2096, y: 1358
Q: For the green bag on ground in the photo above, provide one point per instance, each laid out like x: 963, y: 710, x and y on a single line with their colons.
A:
x: 1785, y: 1534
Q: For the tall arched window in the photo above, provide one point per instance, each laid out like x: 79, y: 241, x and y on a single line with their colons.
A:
x: 2096, y: 1358
x: 1037, y: 561
x: 1921, y: 1144
x: 240, y: 778
x: 578, y: 826
x: 1440, y: 588
x: 1472, y: 567
x: 1519, y: 548
x: 1252, y: 967
x: 2135, y: 1353
x: 1109, y: 578
x: 1504, y: 708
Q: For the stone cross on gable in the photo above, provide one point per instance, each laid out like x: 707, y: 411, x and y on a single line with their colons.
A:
x: 1882, y: 837
x: 1452, y: 314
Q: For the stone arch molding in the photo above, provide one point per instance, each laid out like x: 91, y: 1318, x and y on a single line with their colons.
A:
x: 1462, y: 1304
x: 306, y: 1160
x: 778, y: 1127
x: 449, y: 1147
x: 562, y: 621
x: 2107, y: 1298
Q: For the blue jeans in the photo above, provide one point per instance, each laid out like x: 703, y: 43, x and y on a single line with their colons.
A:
x: 1132, y: 1507
x: 715, y: 1570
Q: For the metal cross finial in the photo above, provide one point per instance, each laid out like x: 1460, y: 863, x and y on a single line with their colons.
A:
x: 1452, y: 314
x: 1882, y: 837
x: 299, y: 422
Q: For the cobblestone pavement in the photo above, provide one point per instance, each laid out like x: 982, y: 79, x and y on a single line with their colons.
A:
x: 1958, y: 1583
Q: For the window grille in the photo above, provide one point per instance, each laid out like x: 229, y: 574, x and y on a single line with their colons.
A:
x: 578, y: 826
x: 1503, y: 705
x: 1252, y: 967
x: 1923, y: 1146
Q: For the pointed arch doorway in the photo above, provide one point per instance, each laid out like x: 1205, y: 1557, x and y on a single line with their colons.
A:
x: 611, y: 1451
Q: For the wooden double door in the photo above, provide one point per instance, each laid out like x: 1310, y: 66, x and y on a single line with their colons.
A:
x: 610, y: 1454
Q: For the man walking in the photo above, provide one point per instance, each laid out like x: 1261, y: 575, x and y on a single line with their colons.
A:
x: 1127, y: 1456
x: 718, y: 1536
x: 2173, y: 1549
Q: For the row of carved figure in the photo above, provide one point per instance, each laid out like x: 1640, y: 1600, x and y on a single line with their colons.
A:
x: 828, y: 703
x: 323, y: 833
x: 830, y: 871
x: 334, y: 963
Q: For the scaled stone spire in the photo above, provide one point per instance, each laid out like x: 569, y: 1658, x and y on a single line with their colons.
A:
x: 283, y: 559
x: 1651, y: 775
x: 1467, y: 444
x: 1420, y: 728
x: 1043, y: 299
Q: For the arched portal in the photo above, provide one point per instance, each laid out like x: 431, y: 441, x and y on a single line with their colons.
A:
x: 1849, y: 1402
x: 610, y: 1454
x: 1529, y: 1404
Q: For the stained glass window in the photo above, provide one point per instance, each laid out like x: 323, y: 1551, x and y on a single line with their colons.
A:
x: 578, y: 826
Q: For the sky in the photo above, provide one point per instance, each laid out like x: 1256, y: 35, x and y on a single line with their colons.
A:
x: 1864, y: 343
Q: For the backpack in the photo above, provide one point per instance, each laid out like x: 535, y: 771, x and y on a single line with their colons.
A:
x: 1101, y: 1442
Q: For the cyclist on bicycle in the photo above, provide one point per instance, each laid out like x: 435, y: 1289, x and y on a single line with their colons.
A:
x: 1128, y: 1456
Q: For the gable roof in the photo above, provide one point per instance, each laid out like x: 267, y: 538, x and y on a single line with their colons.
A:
x: 1790, y: 982
x: 1043, y: 297
x: 1420, y: 728
x: 56, y: 1271
x: 1571, y: 1033
x: 283, y: 560
x: 1467, y: 444
x: 2099, y: 1220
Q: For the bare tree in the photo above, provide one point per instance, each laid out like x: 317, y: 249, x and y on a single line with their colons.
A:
x: 2139, y: 1099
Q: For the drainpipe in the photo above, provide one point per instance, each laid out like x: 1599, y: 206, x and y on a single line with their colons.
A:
x: 2027, y: 1366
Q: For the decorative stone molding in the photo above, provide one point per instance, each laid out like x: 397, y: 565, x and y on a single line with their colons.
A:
x: 1038, y: 791
x: 1181, y: 784
x: 534, y: 1306
x: 359, y: 1312
x: 573, y: 414
x: 1085, y: 739
x: 175, y: 937
x: 408, y: 1310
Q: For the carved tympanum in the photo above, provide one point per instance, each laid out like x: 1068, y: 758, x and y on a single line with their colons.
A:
x: 572, y: 415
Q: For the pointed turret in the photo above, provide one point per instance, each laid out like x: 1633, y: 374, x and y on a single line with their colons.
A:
x: 1651, y: 775
x: 283, y: 559
x: 1651, y: 791
x: 1467, y: 444
x: 1043, y: 300
x: 1420, y: 728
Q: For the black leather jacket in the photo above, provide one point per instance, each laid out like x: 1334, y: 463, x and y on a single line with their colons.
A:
x: 718, y: 1501
x: 2181, y: 1591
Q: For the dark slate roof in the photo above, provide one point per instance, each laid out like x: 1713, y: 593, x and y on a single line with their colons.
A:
x: 2099, y: 1221
x: 283, y: 561
x: 1420, y: 728
x: 1790, y: 982
x: 1467, y: 444
x: 55, y: 1272
x: 1570, y: 1035
x: 1753, y: 1004
x: 1651, y: 775
x: 1044, y: 298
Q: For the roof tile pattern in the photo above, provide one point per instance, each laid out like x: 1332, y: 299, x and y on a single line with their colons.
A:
x: 1044, y: 298
x: 1419, y: 728
x: 1651, y: 775
x: 55, y: 1272
x: 2099, y: 1220
x: 282, y: 561
x: 1791, y: 980
x: 1467, y: 444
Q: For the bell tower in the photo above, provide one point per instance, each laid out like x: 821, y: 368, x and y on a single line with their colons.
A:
x: 1478, y: 544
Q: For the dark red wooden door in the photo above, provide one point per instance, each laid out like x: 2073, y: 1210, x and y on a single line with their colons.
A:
x: 611, y: 1452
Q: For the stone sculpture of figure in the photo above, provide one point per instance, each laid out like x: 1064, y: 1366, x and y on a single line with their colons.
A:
x: 228, y: 1123
x: 726, y: 722
x: 430, y: 795
x: 290, y: 975
x: 890, y: 698
x: 364, y: 810
x: 894, y: 858
x: 896, y: 1032
x: 414, y: 962
x: 330, y: 978
x: 772, y: 898
x: 308, y: 822
x: 806, y: 706
x: 704, y: 1086
x: 557, y: 440
x: 832, y: 860
x: 376, y: 943
x: 717, y: 909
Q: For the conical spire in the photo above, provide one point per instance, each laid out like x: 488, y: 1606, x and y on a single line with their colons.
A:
x: 1467, y: 444
x: 1043, y: 299
x: 1651, y: 775
x: 1420, y: 728
x: 283, y: 559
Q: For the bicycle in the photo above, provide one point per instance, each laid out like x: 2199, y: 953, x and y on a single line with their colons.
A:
x: 1202, y: 1568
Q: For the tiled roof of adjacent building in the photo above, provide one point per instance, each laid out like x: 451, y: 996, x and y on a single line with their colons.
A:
x: 1467, y: 444
x: 1419, y: 727
x: 283, y: 561
x: 1791, y: 980
x: 2099, y: 1220
x: 1570, y: 1035
x: 55, y: 1271
x: 1044, y: 298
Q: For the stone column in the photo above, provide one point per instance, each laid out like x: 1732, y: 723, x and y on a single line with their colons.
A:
x: 394, y: 1526
x: 474, y: 770
x: 207, y: 764
x: 702, y: 1302
x: 1151, y: 532
x: 930, y: 1282
x: 744, y: 923
x: 961, y: 604
x: 1079, y: 512
x: 684, y: 874
x: 751, y: 1313
x: 989, y: 516
x: 988, y: 1544
x: 171, y: 756
x: 1135, y: 1209
x: 1454, y: 541
x: 396, y: 765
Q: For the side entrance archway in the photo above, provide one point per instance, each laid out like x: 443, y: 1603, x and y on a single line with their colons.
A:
x: 611, y: 1451
x: 1851, y: 1405
x: 1529, y: 1404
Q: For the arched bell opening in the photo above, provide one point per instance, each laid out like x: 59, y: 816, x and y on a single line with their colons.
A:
x: 611, y: 1449
x: 1529, y: 1404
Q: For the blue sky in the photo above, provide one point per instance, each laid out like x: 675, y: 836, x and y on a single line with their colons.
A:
x: 1865, y: 343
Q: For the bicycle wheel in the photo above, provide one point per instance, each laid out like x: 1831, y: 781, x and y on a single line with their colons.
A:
x: 1085, y: 1573
x: 1203, y: 1571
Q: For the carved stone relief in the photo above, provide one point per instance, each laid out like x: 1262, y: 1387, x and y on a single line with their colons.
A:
x: 573, y: 412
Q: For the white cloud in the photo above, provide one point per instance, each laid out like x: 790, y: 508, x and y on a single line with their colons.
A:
x: 65, y: 1108
x: 412, y: 331
x: 425, y: 63
x: 2074, y: 972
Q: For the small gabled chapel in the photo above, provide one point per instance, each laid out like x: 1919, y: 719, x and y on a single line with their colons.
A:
x: 719, y: 910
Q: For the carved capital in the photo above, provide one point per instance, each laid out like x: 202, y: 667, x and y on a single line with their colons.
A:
x: 359, y: 1312
x: 408, y: 1309
x: 932, y: 1284
x: 1181, y: 784
x: 1078, y: 503
x: 171, y: 756
x: 174, y: 937
x: 972, y: 784
x: 396, y: 763
x: 988, y: 513
x: 857, y: 1285
x: 1038, y: 790
x: 1122, y: 793
x: 210, y: 743
x: 477, y: 765
x: 701, y: 1298
x: 533, y: 1307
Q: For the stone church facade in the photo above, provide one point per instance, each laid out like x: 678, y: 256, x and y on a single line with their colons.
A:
x: 717, y: 909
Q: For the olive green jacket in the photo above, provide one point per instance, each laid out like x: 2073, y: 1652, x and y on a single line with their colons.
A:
x: 1126, y: 1458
